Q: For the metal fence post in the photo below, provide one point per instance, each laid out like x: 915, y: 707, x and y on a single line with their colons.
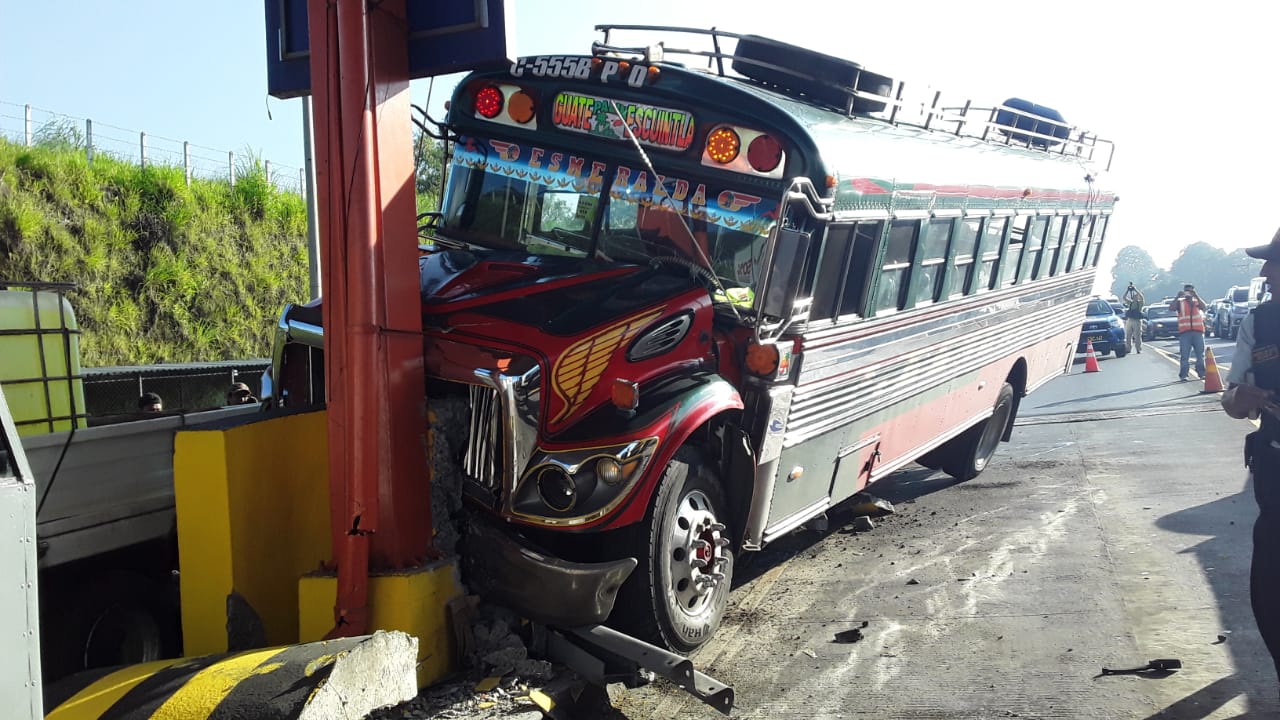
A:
x: 88, y: 138
x: 142, y: 145
x: 231, y: 166
x: 267, y: 168
x: 27, y: 124
x: 186, y: 160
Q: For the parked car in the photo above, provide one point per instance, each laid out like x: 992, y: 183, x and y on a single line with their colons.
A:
x: 1104, y: 328
x: 1160, y: 321
x: 1229, y: 311
x: 1115, y: 304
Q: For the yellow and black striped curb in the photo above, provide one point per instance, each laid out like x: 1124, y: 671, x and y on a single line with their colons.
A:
x: 293, y: 683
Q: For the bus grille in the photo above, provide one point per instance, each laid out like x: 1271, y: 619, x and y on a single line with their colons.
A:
x: 482, y: 461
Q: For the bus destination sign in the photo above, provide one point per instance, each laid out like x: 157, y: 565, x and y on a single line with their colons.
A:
x: 654, y: 126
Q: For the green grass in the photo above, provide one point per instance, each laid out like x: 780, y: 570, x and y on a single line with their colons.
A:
x: 166, y: 272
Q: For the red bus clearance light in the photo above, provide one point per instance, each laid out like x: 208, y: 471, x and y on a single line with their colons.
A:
x: 764, y: 153
x: 489, y: 102
x: 723, y: 145
x: 520, y: 107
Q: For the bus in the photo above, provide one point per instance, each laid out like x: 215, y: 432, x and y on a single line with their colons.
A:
x: 686, y: 303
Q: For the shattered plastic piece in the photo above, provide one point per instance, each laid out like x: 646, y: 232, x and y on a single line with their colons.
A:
x: 488, y: 683
x: 542, y: 700
x: 866, y: 504
x: 913, y: 581
x: 848, y: 636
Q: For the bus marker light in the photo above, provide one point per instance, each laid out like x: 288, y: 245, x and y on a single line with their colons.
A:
x: 520, y: 107
x: 764, y: 360
x: 796, y: 473
x: 723, y: 145
x: 764, y: 153
x: 625, y: 395
x: 609, y: 470
x: 488, y: 101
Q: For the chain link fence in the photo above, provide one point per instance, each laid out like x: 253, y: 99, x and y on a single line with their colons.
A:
x: 185, y: 387
x: 29, y: 126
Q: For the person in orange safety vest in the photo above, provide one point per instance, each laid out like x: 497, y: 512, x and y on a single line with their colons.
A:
x: 1190, y: 310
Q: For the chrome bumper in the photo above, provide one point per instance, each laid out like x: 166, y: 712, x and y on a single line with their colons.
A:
x: 539, y: 586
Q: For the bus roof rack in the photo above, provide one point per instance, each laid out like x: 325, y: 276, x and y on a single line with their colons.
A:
x: 846, y: 87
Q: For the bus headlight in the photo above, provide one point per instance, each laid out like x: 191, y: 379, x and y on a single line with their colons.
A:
x: 572, y: 487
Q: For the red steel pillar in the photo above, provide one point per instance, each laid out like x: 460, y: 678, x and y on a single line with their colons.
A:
x: 379, y: 480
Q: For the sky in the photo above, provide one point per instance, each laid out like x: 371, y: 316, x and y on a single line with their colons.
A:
x: 1185, y: 91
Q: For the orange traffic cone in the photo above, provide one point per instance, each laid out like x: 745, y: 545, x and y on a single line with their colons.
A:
x: 1212, y: 378
x: 1090, y: 358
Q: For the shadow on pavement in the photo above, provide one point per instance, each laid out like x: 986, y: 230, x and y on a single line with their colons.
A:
x: 1227, y: 541
x: 1205, y: 701
x: 901, y: 487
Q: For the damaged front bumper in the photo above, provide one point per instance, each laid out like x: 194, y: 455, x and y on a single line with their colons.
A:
x: 540, y: 586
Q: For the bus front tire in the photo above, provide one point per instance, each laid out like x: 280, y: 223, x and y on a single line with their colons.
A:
x: 677, y: 596
x: 974, y: 447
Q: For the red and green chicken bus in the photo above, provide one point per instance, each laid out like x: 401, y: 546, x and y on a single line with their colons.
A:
x: 685, y: 310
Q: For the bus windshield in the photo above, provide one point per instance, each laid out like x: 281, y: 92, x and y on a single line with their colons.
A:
x: 505, y: 196
x: 538, y: 203
x: 677, y: 219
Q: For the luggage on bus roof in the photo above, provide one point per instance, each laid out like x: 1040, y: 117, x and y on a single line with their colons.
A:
x: 1054, y: 127
x: 823, y: 78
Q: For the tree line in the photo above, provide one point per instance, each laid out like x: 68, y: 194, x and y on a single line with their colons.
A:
x: 1212, y: 270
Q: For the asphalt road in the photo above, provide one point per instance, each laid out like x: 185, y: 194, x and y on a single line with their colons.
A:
x: 1112, y: 530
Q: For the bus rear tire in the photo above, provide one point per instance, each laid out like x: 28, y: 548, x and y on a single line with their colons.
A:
x: 677, y: 596
x: 974, y: 448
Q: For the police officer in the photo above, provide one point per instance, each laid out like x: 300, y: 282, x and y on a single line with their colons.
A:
x: 1254, y: 392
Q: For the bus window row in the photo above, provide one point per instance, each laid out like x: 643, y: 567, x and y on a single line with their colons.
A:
x: 875, y: 268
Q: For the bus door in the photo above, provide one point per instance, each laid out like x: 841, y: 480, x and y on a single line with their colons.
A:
x: 818, y: 466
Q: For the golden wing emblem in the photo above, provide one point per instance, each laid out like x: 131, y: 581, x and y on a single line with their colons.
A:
x: 581, y: 366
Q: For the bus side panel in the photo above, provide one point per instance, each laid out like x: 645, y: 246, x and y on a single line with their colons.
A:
x: 842, y: 462
x: 958, y: 360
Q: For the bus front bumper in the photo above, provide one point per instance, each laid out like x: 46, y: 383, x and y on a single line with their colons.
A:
x: 539, y: 586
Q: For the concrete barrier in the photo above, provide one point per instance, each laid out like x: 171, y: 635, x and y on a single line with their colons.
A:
x: 343, y: 679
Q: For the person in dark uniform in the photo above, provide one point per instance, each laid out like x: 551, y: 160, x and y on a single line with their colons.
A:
x: 1254, y: 392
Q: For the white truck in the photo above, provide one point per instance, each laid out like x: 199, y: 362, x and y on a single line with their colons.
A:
x: 105, y: 530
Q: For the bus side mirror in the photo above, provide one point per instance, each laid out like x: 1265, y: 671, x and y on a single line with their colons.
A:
x: 784, y: 273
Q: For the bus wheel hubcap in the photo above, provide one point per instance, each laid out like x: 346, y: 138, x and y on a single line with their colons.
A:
x: 698, y: 553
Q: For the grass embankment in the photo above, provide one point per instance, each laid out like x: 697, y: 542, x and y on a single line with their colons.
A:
x: 166, y: 272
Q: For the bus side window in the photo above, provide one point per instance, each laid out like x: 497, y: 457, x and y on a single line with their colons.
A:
x: 989, y: 251
x: 833, y: 259
x: 966, y: 251
x: 857, y: 278
x: 1013, y: 254
x: 926, y: 278
x: 1068, y: 245
x: 1082, y: 243
x: 1094, y: 239
x: 1031, y: 250
x: 891, y: 288
x: 1052, y: 240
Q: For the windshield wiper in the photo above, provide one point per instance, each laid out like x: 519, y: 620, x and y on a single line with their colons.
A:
x: 702, y: 255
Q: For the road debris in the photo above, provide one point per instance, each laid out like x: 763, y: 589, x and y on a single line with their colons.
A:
x: 852, y: 635
x: 1158, y: 667
x: 864, y: 504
